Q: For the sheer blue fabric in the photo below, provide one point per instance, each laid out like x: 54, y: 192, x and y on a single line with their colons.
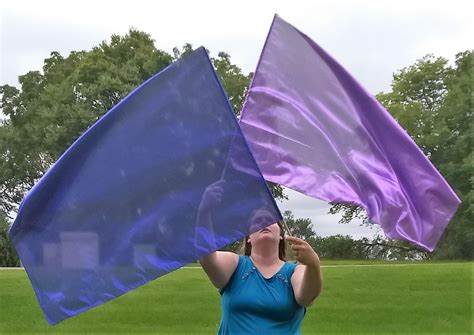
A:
x: 162, y: 179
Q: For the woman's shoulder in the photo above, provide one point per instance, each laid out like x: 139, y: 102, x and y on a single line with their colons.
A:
x: 243, y: 266
x: 244, y: 262
x: 290, y: 267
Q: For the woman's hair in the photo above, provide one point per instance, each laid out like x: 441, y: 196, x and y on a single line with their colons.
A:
x: 281, y: 245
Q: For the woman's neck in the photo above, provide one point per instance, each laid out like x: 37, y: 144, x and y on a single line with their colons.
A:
x: 265, y: 256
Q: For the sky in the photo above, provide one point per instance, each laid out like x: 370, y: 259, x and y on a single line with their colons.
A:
x: 371, y: 39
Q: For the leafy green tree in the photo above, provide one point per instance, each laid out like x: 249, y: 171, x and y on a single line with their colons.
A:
x: 8, y: 256
x: 52, y: 108
x: 230, y: 75
x: 455, y: 157
x: 338, y: 247
x: 385, y: 249
x: 302, y: 228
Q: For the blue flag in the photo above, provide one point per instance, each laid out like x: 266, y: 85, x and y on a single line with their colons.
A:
x: 163, y: 178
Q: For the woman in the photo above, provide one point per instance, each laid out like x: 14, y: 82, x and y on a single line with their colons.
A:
x: 260, y: 291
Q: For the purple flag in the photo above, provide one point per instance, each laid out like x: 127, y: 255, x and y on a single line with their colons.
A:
x: 313, y: 128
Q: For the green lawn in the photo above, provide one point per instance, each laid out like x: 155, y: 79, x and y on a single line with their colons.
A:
x: 394, y: 298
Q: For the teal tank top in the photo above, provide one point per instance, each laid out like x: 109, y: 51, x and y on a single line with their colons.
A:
x: 253, y: 304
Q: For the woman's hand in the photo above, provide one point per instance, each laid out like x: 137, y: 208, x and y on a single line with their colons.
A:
x: 304, y: 253
x: 212, y: 196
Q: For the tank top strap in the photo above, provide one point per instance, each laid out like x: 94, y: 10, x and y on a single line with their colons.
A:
x: 290, y: 268
x: 286, y: 272
x: 242, y: 271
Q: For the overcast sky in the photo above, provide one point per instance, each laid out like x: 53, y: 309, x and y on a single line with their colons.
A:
x: 371, y: 39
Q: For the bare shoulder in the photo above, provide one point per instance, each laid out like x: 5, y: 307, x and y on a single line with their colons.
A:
x: 297, y: 274
x: 297, y: 279
x: 220, y: 266
x: 228, y: 256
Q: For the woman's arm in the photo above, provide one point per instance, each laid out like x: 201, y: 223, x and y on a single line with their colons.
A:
x: 307, y: 280
x: 219, y: 266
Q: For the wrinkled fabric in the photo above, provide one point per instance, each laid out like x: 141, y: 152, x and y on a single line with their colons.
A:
x: 165, y: 177
x: 312, y: 128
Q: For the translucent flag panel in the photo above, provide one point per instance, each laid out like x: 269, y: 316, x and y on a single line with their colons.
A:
x: 162, y: 179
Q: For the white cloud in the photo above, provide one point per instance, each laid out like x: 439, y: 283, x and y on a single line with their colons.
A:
x: 372, y: 39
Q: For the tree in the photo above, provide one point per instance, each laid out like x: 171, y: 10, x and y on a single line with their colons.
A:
x: 338, y: 247
x: 455, y: 157
x: 8, y: 256
x: 433, y: 102
x: 386, y: 249
x: 234, y: 81
x: 301, y: 228
x: 52, y: 108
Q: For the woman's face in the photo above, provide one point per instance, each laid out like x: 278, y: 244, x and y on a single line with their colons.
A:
x: 261, y: 218
x: 272, y: 234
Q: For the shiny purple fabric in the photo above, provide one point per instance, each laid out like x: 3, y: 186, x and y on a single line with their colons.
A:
x: 313, y: 128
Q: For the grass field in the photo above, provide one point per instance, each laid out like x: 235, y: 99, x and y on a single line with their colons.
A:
x: 377, y: 298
